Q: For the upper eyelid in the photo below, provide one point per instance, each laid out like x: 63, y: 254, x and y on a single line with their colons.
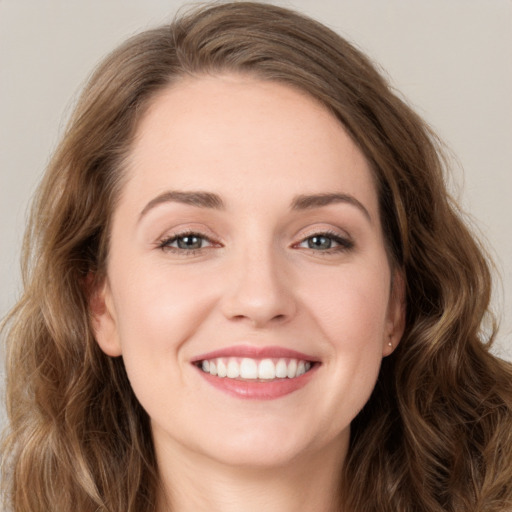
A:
x: 178, y: 231
x: 326, y: 231
x: 342, y: 241
x: 174, y: 236
x: 213, y: 239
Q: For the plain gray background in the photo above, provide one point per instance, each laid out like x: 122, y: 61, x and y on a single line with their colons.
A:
x: 452, y: 60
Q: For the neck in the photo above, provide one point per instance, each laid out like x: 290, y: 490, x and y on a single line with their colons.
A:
x: 310, y: 483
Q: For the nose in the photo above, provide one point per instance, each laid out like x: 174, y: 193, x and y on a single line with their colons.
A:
x: 259, y: 290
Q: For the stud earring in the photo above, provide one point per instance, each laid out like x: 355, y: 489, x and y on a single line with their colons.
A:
x: 390, y: 344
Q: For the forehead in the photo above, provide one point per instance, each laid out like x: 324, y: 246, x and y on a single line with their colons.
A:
x: 239, y: 135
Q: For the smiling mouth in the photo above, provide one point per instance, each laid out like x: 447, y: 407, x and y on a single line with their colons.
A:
x: 255, y: 370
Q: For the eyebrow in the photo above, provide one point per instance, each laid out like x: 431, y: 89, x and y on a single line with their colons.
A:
x: 199, y: 199
x: 214, y: 201
x: 306, y: 202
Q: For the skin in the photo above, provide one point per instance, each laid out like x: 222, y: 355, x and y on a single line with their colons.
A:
x: 255, y: 281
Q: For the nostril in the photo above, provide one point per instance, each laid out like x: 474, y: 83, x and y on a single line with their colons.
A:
x: 279, y: 317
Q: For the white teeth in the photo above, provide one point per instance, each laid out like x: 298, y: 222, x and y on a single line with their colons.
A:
x: 267, y: 369
x: 292, y: 369
x: 233, y: 369
x: 281, y: 369
x: 247, y: 368
x: 222, y: 371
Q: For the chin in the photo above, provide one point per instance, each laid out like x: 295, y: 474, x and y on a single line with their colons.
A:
x: 261, y: 454
x: 267, y: 446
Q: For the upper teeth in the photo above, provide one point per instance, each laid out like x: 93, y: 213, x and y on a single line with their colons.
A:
x: 247, y: 368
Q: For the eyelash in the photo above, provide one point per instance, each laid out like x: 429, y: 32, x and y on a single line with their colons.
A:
x: 343, y: 244
x: 165, y: 243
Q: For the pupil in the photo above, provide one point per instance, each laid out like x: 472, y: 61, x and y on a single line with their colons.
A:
x: 189, y: 242
x: 319, y: 242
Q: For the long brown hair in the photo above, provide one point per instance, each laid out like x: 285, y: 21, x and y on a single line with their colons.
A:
x: 436, y: 435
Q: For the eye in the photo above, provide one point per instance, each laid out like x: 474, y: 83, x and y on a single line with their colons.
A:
x: 326, y: 242
x: 187, y: 242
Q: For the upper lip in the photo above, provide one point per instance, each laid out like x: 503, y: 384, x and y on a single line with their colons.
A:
x: 255, y: 352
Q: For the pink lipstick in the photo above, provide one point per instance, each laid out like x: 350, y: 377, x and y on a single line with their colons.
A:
x: 261, y: 373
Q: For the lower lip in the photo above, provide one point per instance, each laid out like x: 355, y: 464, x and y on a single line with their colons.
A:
x: 259, y: 390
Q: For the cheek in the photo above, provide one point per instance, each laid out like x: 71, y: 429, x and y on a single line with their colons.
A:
x: 350, y: 311
x: 346, y: 312
x: 157, y: 314
x: 350, y: 306
x: 159, y: 308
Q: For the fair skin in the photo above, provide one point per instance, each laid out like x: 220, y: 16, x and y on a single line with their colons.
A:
x: 248, y: 224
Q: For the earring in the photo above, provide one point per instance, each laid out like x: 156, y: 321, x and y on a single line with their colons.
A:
x: 390, y: 344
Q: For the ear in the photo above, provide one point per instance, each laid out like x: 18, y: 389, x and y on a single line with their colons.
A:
x: 395, y: 324
x: 103, y: 316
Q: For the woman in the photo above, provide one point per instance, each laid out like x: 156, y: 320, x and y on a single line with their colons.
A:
x: 246, y: 288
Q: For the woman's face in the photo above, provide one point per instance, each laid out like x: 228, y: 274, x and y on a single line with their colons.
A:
x: 247, y: 249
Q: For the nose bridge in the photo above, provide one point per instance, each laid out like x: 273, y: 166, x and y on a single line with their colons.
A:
x: 258, y: 284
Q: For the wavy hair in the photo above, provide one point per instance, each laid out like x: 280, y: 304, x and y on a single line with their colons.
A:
x: 436, y: 434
